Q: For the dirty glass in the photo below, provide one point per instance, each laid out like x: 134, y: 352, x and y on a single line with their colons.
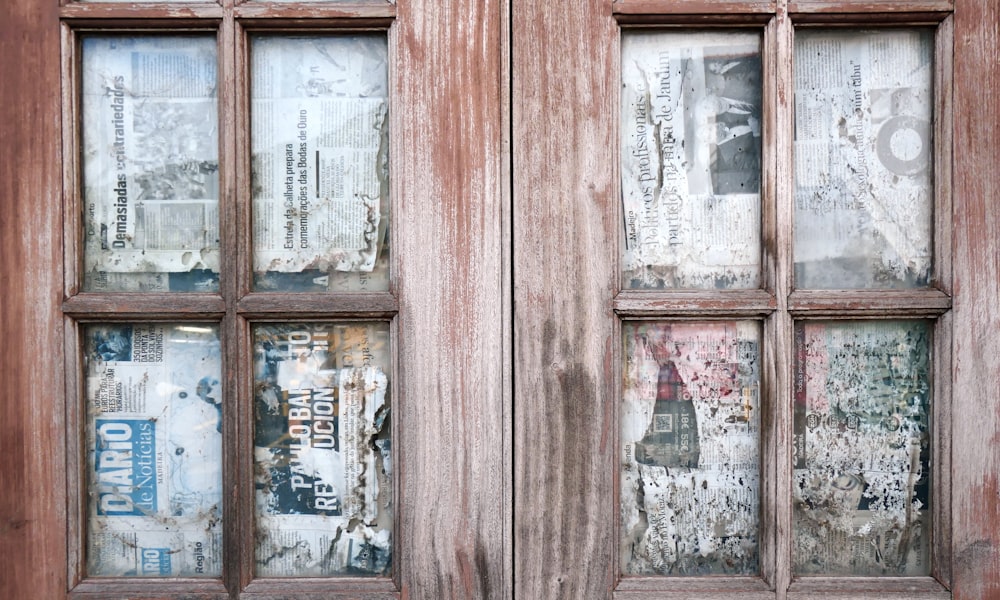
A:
x: 322, y: 455
x: 863, y: 158
x: 690, y: 438
x: 319, y: 135
x: 861, y: 448
x: 691, y: 159
x: 150, y: 164
x: 154, y: 449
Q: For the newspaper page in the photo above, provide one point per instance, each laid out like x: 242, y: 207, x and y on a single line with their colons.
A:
x: 691, y: 159
x: 863, y: 158
x: 861, y: 448
x: 322, y: 449
x: 319, y: 132
x: 690, y: 445
x: 154, y: 450
x: 150, y: 163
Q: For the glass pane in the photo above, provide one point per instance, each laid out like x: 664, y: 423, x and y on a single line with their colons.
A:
x: 320, y: 163
x: 863, y: 158
x: 862, y: 412
x: 690, y: 430
x: 322, y: 459
x: 150, y: 164
x: 691, y: 159
x: 154, y: 450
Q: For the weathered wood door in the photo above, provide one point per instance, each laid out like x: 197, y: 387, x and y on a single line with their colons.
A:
x: 506, y: 304
x: 578, y: 321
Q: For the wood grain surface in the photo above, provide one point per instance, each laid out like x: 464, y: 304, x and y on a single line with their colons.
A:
x: 505, y: 208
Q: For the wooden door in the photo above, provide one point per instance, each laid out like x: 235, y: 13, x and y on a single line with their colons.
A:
x: 576, y: 316
x: 444, y: 310
x: 506, y: 298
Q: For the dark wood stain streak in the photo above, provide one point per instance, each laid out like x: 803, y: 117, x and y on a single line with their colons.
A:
x: 564, y: 240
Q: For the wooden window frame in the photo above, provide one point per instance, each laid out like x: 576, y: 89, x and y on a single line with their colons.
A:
x: 778, y: 304
x: 235, y: 307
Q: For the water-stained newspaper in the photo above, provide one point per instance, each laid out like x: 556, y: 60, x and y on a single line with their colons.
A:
x: 322, y: 449
x: 861, y: 448
x: 150, y: 163
x: 154, y: 450
x: 690, y: 430
x: 691, y: 159
x: 320, y: 160
x: 863, y: 158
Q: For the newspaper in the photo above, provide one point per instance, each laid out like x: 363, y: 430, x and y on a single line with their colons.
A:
x: 322, y: 450
x: 861, y: 448
x: 319, y: 133
x: 863, y: 158
x: 691, y: 159
x: 150, y: 163
x: 690, y: 446
x: 154, y: 450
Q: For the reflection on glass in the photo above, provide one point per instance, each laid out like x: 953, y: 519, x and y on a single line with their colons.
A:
x: 863, y: 158
x: 691, y: 159
x: 861, y: 452
x: 320, y: 163
x: 154, y: 450
x: 323, y: 469
x: 690, y: 430
x: 150, y: 164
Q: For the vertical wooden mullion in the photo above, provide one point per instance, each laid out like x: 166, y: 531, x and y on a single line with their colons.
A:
x: 770, y: 276
x: 780, y: 324
x: 941, y: 407
x: 239, y: 328
x: 72, y: 169
x: 231, y: 276
x: 76, y: 480
x: 75, y: 511
x: 944, y: 40
x: 975, y: 367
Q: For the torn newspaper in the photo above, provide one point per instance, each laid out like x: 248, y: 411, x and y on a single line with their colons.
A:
x: 150, y: 163
x: 322, y: 450
x: 861, y: 448
x: 320, y: 161
x: 691, y: 159
x: 863, y: 158
x: 690, y: 444
x: 154, y: 450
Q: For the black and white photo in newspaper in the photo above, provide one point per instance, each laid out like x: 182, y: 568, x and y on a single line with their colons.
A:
x: 691, y: 159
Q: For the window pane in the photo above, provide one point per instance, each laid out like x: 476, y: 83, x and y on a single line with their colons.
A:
x: 154, y: 449
x: 691, y: 159
x: 322, y: 458
x: 320, y: 163
x: 690, y: 440
x: 150, y: 164
x: 862, y: 412
x: 863, y: 158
